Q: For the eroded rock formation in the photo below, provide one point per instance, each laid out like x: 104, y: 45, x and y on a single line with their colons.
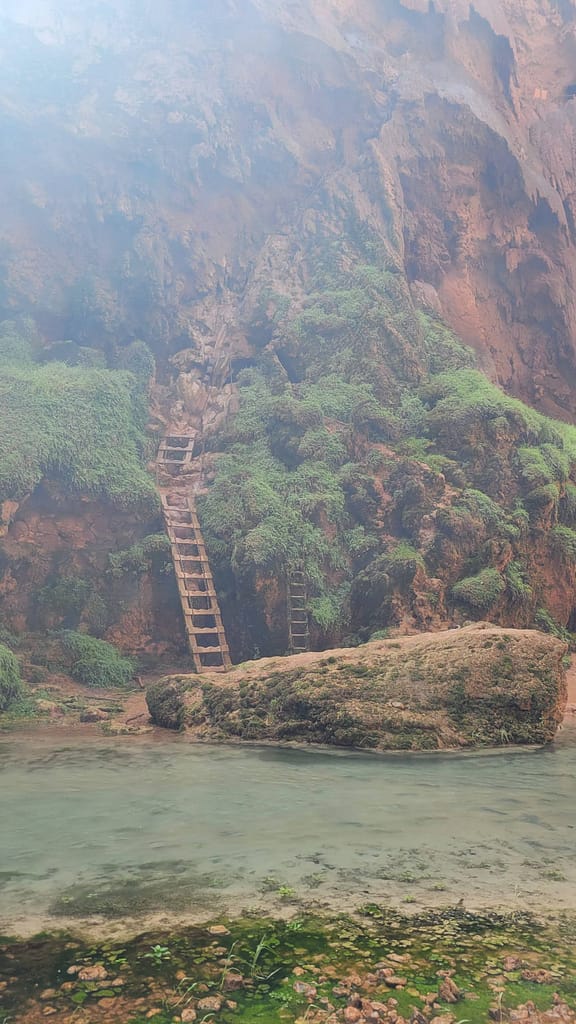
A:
x: 471, y: 687
x: 162, y: 170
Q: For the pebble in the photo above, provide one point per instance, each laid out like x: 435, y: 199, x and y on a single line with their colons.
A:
x: 188, y: 1015
x: 302, y: 988
x: 95, y: 973
x: 211, y: 1003
x: 218, y: 929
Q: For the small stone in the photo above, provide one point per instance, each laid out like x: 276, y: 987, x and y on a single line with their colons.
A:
x: 74, y: 969
x: 94, y: 715
x: 396, y: 982
x: 95, y: 973
x: 397, y: 958
x: 107, y: 1001
x: 540, y: 976
x: 153, y: 1012
x: 188, y: 1015
x: 512, y: 963
x: 117, y: 982
x: 49, y: 1011
x: 218, y: 929
x: 231, y: 1005
x: 48, y: 993
x: 67, y: 986
x: 233, y: 982
x: 448, y: 991
x: 302, y: 988
x: 298, y: 971
x: 352, y: 1014
x: 211, y: 1003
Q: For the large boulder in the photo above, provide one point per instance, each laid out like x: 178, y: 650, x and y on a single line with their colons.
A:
x: 476, y: 686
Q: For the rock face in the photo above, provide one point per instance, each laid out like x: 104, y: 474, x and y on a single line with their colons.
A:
x: 164, y: 168
x: 55, y: 572
x: 177, y: 172
x: 476, y: 686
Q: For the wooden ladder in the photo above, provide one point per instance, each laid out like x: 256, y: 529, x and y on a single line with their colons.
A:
x: 299, y: 632
x: 202, y: 616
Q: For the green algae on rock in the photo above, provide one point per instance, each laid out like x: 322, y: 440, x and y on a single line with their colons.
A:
x: 478, y: 686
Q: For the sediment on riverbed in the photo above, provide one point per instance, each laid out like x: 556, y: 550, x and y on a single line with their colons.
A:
x: 478, y: 686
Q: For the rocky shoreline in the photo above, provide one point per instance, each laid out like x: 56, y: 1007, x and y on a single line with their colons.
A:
x: 374, y: 966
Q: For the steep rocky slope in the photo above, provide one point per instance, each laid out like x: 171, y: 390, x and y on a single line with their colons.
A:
x: 316, y: 189
x: 163, y: 168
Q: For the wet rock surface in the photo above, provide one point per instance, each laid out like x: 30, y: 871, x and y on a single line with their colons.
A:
x: 476, y: 686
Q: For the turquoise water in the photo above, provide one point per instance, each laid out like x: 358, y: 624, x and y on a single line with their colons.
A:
x: 133, y: 826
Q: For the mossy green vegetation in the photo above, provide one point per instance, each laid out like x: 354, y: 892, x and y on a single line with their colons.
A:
x: 151, y: 554
x: 480, y: 591
x: 384, y: 421
x: 73, y: 421
x: 259, y: 969
x: 11, y: 685
x: 81, y: 427
x: 96, y: 663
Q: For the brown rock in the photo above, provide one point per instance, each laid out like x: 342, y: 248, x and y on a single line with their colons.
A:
x: 303, y: 989
x: 210, y: 1003
x: 352, y: 1014
x: 540, y: 976
x: 218, y: 929
x: 188, y: 1016
x: 511, y: 963
x: 233, y: 981
x: 95, y: 973
x: 448, y: 991
x: 48, y: 993
x: 94, y: 715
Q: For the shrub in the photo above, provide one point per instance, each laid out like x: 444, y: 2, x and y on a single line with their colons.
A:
x: 139, y: 360
x: 150, y: 553
x: 563, y: 539
x: 95, y: 663
x: 547, y: 623
x: 480, y: 591
x: 568, y: 505
x: 11, y: 687
x: 82, y: 426
x: 65, y: 598
x: 15, y: 347
x: 519, y: 590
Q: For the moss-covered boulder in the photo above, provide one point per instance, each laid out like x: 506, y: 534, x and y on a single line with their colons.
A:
x: 477, y: 686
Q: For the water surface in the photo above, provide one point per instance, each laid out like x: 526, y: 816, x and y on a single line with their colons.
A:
x: 123, y: 826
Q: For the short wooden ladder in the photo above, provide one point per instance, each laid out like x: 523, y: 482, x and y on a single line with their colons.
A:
x: 299, y: 630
